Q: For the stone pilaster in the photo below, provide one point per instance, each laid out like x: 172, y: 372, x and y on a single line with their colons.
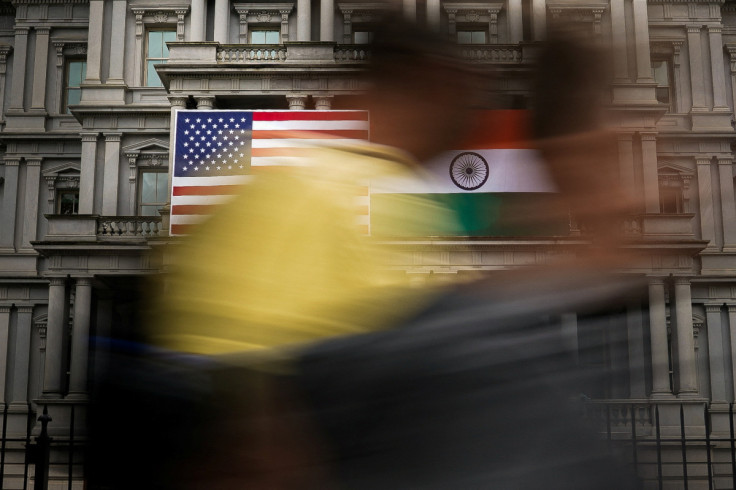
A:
x: 21, y: 365
x: 20, y: 57
x: 110, y: 188
x: 4, y: 51
x: 38, y: 95
x: 197, y: 21
x: 30, y: 211
x: 117, y: 47
x: 717, y: 69
x: 697, y: 81
x: 651, y: 175
x: 94, y: 40
x: 705, y: 192
x: 88, y: 164
x: 686, y: 368
x: 539, y: 20
x: 433, y: 15
x: 658, y: 335
x: 80, y: 338
x: 177, y: 104
x: 515, y: 28
x: 4, y: 345
x: 55, y: 332
x: 635, y: 339
x: 327, y: 20
x: 626, y: 166
x: 716, y: 354
x: 222, y: 21
x: 732, y: 330
x: 10, y: 204
x: 641, y: 37
x: 618, y: 39
x: 728, y: 204
x: 303, y: 20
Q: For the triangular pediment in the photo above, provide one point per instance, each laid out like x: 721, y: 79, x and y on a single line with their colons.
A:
x: 63, y: 168
x: 673, y: 168
x: 148, y: 146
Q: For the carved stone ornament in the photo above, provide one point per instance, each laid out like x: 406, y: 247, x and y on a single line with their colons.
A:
x: 160, y: 17
x: 472, y: 16
x: 264, y: 16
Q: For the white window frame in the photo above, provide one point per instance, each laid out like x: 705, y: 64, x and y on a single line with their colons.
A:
x: 152, y: 18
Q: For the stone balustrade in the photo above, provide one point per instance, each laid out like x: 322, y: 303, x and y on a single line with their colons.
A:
x: 346, y: 52
x: 128, y: 226
x: 244, y: 53
x: 491, y: 53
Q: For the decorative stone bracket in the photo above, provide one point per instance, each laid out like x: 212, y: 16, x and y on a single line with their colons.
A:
x: 578, y: 13
x: 474, y: 13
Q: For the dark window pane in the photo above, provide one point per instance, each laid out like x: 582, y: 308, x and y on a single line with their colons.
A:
x: 68, y: 202
x: 478, y: 37
x: 162, y: 186
x: 258, y: 37
x: 155, y: 44
x: 168, y: 36
x: 362, y: 37
x: 464, y: 37
x: 152, y: 79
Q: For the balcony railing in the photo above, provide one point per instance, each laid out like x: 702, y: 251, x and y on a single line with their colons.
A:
x: 95, y: 228
x: 129, y: 226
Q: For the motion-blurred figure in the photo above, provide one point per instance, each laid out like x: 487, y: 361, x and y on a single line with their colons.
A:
x: 288, y: 358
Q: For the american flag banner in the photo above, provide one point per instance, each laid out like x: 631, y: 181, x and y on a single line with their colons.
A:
x: 216, y: 151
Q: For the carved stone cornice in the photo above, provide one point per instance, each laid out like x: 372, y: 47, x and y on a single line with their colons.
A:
x: 717, y: 2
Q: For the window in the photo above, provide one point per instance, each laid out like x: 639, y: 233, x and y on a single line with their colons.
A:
x: 362, y: 37
x: 661, y: 72
x: 670, y: 200
x: 157, y: 52
x: 67, y: 201
x: 76, y: 71
x: 471, y: 37
x: 265, y: 36
x: 153, y: 191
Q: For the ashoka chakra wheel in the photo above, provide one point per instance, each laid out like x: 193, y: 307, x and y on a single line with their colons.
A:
x: 469, y: 170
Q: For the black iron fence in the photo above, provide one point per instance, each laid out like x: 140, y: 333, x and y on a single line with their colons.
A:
x: 672, y: 445
x: 27, y: 461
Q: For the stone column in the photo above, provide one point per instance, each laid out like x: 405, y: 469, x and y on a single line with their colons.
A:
x: 618, y: 38
x: 112, y: 171
x: 322, y: 102
x: 197, y: 21
x: 4, y: 50
x: 20, y: 56
x: 685, y: 342
x: 303, y: 20
x: 40, y: 63
x: 297, y: 102
x: 410, y: 10
x: 715, y: 354
x: 205, y: 103
x: 22, y: 364
x: 222, y: 21
x: 327, y: 20
x: 10, y: 203
x: 53, y: 368
x: 705, y: 193
x: 516, y: 30
x: 732, y: 330
x: 94, y: 40
x: 117, y: 47
x: 651, y: 174
x: 433, y: 15
x: 539, y: 20
x: 80, y: 338
x: 626, y: 165
x: 641, y: 36
x: 87, y: 173
x: 33, y: 186
x: 728, y: 204
x: 678, y: 102
x: 177, y: 104
x: 697, y: 81
x: 718, y: 74
x: 658, y: 338
x: 4, y: 344
x: 635, y: 337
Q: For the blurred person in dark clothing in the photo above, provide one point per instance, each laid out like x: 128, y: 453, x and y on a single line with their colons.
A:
x: 473, y: 390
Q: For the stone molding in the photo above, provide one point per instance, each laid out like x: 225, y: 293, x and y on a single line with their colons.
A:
x: 264, y: 13
x: 578, y: 13
x: 473, y: 13
x: 154, y: 15
x: 359, y: 13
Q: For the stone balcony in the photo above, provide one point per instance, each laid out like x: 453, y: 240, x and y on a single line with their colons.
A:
x: 94, y: 228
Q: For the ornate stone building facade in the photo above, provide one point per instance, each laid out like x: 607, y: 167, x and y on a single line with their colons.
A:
x: 84, y: 135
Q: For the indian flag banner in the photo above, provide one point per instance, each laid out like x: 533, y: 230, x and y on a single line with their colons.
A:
x: 496, y: 185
